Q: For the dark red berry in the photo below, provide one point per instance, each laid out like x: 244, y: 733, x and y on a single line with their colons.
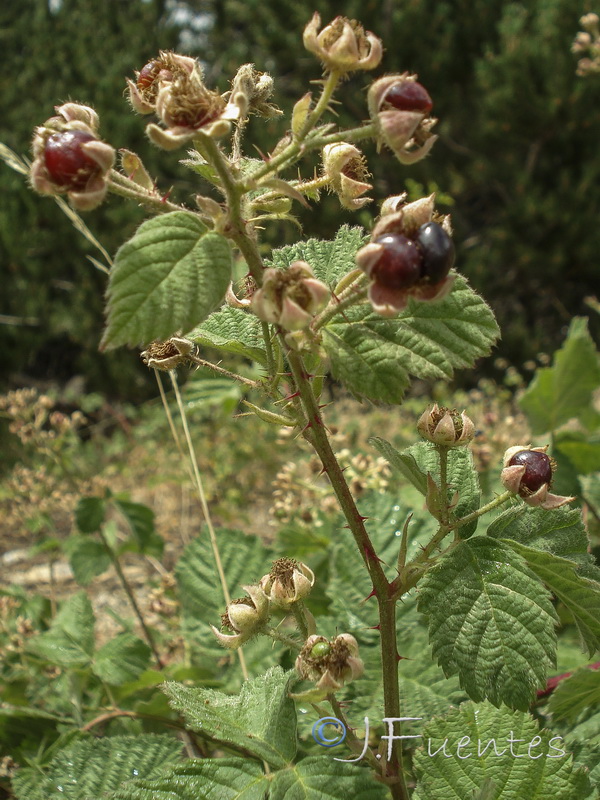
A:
x: 409, y: 96
x: 67, y: 164
x: 399, y: 265
x: 538, y: 468
x: 437, y: 249
x: 148, y: 74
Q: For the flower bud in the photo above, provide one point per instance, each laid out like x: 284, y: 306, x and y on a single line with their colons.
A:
x: 245, y: 616
x: 288, y: 582
x: 251, y: 90
x: 528, y: 471
x: 68, y: 157
x: 345, y: 167
x: 290, y: 297
x: 445, y: 426
x: 330, y: 664
x: 400, y: 108
x: 168, y: 355
x: 343, y: 45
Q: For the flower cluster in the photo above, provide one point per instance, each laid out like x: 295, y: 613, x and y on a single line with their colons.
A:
x: 288, y: 582
x: 409, y: 256
x: 69, y: 158
x: 588, y: 41
x: 172, y: 87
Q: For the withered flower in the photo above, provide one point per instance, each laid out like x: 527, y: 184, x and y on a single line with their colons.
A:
x: 343, y: 45
x: 287, y: 582
x: 345, y: 167
x: 244, y: 616
x: 330, y: 664
x: 446, y: 426
x: 290, y: 297
x: 168, y: 355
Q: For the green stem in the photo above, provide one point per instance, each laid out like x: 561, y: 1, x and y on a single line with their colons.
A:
x: 128, y: 591
x: 290, y: 153
x: 297, y: 610
x: 221, y: 371
x: 281, y: 637
x: 353, y: 741
x: 497, y: 501
x: 125, y: 187
x: 337, y: 305
x: 443, y: 454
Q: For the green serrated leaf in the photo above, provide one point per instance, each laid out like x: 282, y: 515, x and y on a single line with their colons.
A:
x: 261, y: 721
x: 403, y: 462
x: 89, y: 514
x: 575, y: 694
x: 475, y: 745
x: 232, y: 330
x: 563, y: 391
x: 70, y: 640
x: 89, y: 768
x: 87, y: 557
x: 122, y: 659
x: 140, y: 519
x: 201, y: 779
x: 560, y: 531
x: 580, y: 595
x: 244, y: 558
x: 491, y: 621
x: 321, y: 778
x: 166, y: 279
x: 330, y: 261
x: 374, y: 356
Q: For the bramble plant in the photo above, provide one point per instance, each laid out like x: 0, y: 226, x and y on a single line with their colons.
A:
x: 331, y: 643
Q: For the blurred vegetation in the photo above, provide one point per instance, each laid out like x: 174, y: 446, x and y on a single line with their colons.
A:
x: 517, y: 157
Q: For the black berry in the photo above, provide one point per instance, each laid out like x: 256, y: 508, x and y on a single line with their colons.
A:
x: 409, y: 96
x: 399, y: 265
x: 437, y: 250
x: 67, y: 164
x: 538, y: 468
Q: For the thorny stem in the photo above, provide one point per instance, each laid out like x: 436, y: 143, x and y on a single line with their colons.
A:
x: 128, y: 591
x: 237, y: 228
x: 315, y: 433
x: 121, y: 185
x: 221, y: 371
x: 273, y: 633
x: 354, y: 742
